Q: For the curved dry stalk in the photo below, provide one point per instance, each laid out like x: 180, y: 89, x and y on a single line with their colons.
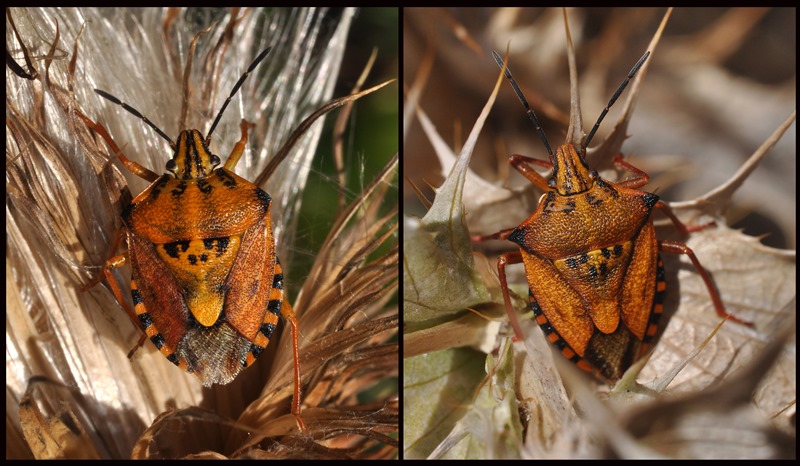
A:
x: 305, y: 125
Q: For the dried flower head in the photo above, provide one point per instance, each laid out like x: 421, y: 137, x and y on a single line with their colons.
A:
x: 72, y: 392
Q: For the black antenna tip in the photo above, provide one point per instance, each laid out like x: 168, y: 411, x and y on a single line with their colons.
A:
x: 524, y: 101
x: 265, y: 52
x: 638, y: 64
x: 497, y: 58
x: 500, y: 63
x: 236, y: 88
x: 614, y: 98
x: 108, y: 96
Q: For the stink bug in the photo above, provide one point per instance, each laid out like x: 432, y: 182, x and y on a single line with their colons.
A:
x: 206, y: 283
x: 591, y: 256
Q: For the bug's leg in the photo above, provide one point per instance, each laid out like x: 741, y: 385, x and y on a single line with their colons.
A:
x: 502, y: 261
x: 680, y: 248
x: 134, y: 167
x: 642, y: 179
x: 278, y: 296
x: 99, y: 277
x: 238, y: 148
x: 112, y: 263
x: 682, y: 227
x: 502, y: 234
x: 522, y: 164
x: 638, y: 181
x: 288, y: 314
x: 115, y: 263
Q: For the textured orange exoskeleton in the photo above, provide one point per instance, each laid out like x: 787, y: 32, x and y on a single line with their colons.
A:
x: 206, y: 284
x: 591, y: 256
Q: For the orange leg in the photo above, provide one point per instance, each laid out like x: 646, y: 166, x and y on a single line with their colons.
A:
x: 642, y: 179
x: 680, y: 248
x: 112, y: 263
x: 134, y: 167
x: 675, y: 247
x: 99, y: 277
x: 288, y: 314
x: 522, y: 163
x: 638, y: 181
x: 238, y: 148
x: 502, y: 234
x: 682, y: 227
x: 502, y: 261
x: 115, y: 263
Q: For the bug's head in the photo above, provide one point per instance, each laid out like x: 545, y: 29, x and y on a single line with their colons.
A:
x: 192, y: 158
x: 571, y: 175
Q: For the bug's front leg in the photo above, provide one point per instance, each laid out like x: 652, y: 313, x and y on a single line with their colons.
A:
x: 238, y: 148
x: 522, y: 163
x: 502, y: 234
x: 502, y: 261
x: 642, y: 179
x: 134, y: 167
x: 637, y: 181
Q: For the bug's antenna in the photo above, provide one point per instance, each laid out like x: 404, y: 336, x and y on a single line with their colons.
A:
x: 135, y: 113
x: 524, y: 101
x: 614, y: 98
x: 236, y: 88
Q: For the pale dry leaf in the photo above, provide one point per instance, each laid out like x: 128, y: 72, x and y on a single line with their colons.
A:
x: 757, y: 283
x: 491, y: 428
x: 438, y: 388
x: 549, y: 412
x: 685, y: 425
x: 437, y: 264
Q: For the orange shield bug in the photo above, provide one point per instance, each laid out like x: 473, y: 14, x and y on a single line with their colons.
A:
x: 206, y: 283
x: 591, y: 256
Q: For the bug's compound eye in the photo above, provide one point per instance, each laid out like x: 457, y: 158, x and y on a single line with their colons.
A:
x: 215, y: 160
x: 551, y: 182
x: 593, y: 174
x: 171, y: 165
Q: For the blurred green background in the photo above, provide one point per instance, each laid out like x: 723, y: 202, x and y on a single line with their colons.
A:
x: 370, y: 140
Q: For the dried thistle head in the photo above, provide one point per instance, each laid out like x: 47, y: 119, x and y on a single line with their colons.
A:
x: 670, y: 131
x: 704, y: 78
x: 74, y: 391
